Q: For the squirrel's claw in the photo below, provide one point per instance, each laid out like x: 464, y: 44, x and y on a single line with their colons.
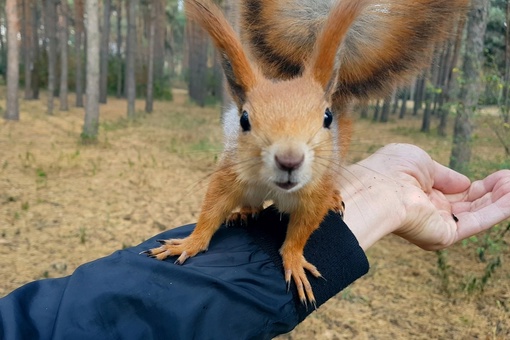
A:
x: 184, y: 248
x: 294, y: 267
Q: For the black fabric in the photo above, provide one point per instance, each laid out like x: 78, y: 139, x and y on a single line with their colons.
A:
x: 332, y: 248
x: 235, y: 290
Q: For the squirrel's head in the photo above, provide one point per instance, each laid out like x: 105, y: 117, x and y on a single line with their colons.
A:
x: 282, y: 132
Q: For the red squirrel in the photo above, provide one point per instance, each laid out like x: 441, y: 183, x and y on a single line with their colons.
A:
x: 288, y: 130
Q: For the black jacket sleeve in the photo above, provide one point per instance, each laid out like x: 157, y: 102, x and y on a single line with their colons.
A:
x: 235, y: 290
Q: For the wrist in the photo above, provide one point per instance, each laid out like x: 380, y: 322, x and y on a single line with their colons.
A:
x: 373, y: 202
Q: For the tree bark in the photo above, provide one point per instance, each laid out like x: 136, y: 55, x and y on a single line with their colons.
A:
x: 505, y: 112
x: 470, y: 90
x: 119, y: 49
x: 78, y: 42
x: 27, y: 46
x: 198, y: 64
x: 159, y: 19
x: 385, y: 111
x: 376, y: 110
x: 419, y: 93
x: 12, y: 109
x: 131, y: 58
x: 35, y: 50
x: 105, y: 40
x: 150, y: 67
x: 63, y: 20
x: 403, y: 108
x: 51, y: 34
x: 91, y: 124
x: 364, y: 109
x: 450, y: 84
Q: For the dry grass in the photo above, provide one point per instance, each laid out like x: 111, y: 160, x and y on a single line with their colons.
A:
x: 63, y: 204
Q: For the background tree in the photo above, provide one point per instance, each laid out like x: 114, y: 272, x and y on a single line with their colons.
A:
x: 78, y: 42
x: 105, y: 40
x: 50, y: 27
x: 118, y: 9
x: 12, y: 109
x: 469, y: 94
x: 27, y: 40
x: 63, y: 11
x: 91, y: 124
x: 131, y: 57
x: 197, y: 42
x: 150, y: 68
x: 449, y: 83
x: 506, y: 80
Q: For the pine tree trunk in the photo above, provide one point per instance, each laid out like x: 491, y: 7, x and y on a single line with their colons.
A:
x: 51, y: 34
x: 198, y: 64
x: 450, y: 84
x: 35, y: 50
x: 419, y: 94
x: 364, y: 109
x: 159, y: 19
x: 91, y: 124
x: 403, y: 108
x: 12, y: 109
x: 425, y: 123
x: 150, y: 67
x: 27, y: 46
x: 119, y: 49
x: 470, y: 91
x: 130, y: 58
x: 385, y: 111
x: 506, y: 90
x: 105, y: 39
x: 395, y: 100
x: 376, y: 110
x: 64, y: 12
x: 78, y: 42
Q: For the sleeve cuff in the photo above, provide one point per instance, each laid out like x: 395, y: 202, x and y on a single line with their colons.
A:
x: 332, y: 248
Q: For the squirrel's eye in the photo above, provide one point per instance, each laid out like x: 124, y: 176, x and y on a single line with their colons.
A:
x: 245, y: 122
x: 328, y: 118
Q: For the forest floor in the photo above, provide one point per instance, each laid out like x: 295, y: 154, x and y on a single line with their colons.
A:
x: 63, y: 204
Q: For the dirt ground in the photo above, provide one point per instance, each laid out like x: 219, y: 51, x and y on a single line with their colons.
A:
x: 63, y: 204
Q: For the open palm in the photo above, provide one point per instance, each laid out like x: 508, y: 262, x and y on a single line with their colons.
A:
x: 438, y: 206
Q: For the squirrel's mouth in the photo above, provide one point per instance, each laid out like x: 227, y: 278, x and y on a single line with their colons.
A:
x: 286, y: 185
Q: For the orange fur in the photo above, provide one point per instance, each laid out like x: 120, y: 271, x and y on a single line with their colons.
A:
x: 286, y: 151
x: 333, y: 33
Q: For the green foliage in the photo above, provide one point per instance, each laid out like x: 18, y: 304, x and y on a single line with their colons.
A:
x: 487, y: 248
x: 495, y: 35
x: 87, y: 139
x: 443, y: 270
x: 82, y: 234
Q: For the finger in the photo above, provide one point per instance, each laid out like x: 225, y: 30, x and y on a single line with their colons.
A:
x: 472, y: 223
x: 498, y: 183
x: 449, y: 181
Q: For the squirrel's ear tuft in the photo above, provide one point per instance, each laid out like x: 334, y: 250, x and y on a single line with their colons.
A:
x: 238, y: 71
x: 323, y: 63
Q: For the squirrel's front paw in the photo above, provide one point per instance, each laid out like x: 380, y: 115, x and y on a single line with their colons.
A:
x: 294, y: 266
x: 184, y: 248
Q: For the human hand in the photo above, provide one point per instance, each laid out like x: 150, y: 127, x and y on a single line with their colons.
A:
x: 400, y: 189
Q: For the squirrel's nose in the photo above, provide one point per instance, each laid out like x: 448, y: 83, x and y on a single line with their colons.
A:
x: 289, y: 162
